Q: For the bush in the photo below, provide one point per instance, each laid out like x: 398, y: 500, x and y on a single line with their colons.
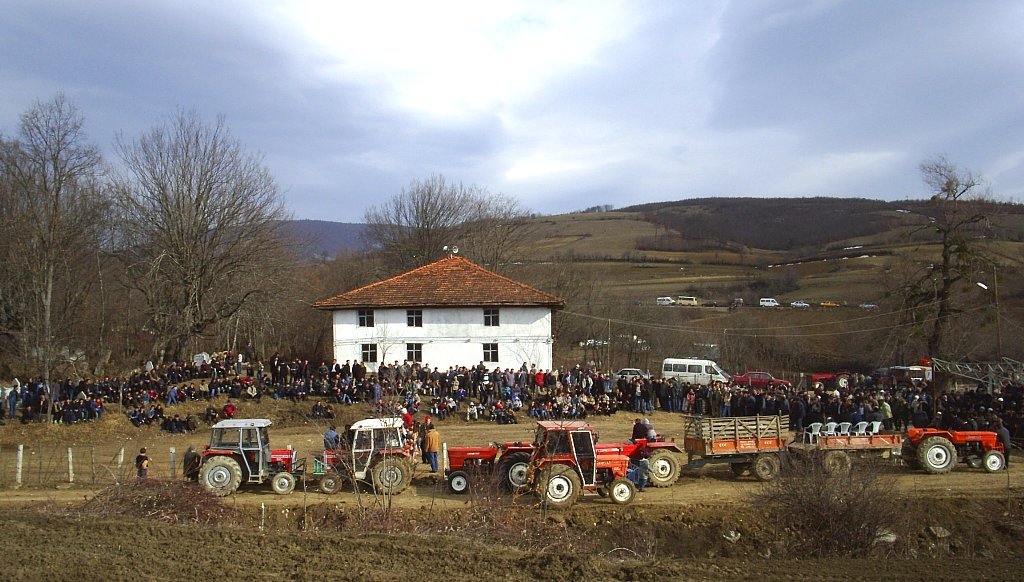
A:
x: 167, y: 501
x: 837, y: 514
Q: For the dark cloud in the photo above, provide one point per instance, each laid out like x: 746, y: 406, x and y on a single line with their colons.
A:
x: 682, y: 99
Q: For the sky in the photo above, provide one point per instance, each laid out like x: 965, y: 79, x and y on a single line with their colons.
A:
x: 562, y: 105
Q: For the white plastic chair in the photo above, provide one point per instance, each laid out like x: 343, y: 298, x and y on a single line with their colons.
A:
x: 876, y: 426
x: 860, y: 429
x: 812, y: 432
x: 830, y: 429
x: 844, y: 428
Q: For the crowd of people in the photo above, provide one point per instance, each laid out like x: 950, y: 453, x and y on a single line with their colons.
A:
x: 480, y: 393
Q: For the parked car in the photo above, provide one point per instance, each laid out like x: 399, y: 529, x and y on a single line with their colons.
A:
x: 710, y: 304
x: 868, y: 306
x: 768, y: 302
x: 593, y: 343
x: 798, y: 304
x: 760, y: 380
x: 829, y: 304
x: 630, y: 373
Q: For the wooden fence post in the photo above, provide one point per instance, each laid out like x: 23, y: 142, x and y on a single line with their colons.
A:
x: 18, y: 464
x: 71, y: 467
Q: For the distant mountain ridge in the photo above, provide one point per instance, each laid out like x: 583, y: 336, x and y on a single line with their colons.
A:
x: 323, y: 239
x: 773, y: 224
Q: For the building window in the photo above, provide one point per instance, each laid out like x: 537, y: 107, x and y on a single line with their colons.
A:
x: 490, y: 317
x: 366, y: 318
x: 490, y: 352
x: 414, y: 317
x: 414, y: 352
x: 369, y: 352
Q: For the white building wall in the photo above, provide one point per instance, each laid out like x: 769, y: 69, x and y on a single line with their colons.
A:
x: 450, y: 336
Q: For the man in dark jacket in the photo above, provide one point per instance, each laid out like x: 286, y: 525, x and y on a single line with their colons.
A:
x: 639, y: 430
x: 798, y: 410
x: 1003, y: 434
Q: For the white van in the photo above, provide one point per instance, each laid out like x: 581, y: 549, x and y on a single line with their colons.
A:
x: 686, y: 300
x: 693, y: 371
x: 666, y: 301
x: 769, y: 302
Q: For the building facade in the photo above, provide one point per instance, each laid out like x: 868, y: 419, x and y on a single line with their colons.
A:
x: 449, y: 313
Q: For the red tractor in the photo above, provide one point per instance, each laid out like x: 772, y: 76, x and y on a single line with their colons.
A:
x: 240, y: 452
x: 507, y: 462
x: 936, y: 450
x: 837, y: 380
x: 373, y: 451
x: 566, y: 464
x: 510, y: 461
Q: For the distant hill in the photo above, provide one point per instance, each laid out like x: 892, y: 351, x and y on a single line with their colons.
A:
x: 325, y: 239
x: 793, y: 227
x: 779, y: 224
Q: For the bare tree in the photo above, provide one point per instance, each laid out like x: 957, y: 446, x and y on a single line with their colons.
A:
x: 198, y: 222
x: 955, y: 215
x: 53, y: 203
x: 412, y: 228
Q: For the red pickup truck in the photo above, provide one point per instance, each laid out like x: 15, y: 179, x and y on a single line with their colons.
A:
x: 760, y: 380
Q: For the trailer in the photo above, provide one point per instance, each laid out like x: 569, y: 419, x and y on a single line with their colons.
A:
x: 838, y: 451
x: 746, y: 443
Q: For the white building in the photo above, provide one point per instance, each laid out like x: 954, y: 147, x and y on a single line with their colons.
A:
x: 448, y: 313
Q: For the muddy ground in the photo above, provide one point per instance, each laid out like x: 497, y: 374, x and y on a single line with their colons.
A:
x: 965, y: 525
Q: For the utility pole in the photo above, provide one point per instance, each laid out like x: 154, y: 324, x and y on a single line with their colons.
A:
x: 995, y: 293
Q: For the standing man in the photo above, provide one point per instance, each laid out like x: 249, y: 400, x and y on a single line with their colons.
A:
x: 1003, y: 434
x: 432, y: 444
x: 331, y: 438
x: 142, y: 464
x: 12, y: 399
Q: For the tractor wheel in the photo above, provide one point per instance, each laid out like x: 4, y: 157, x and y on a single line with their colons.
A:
x: 842, y: 382
x: 283, y: 483
x: 330, y: 484
x: 740, y: 469
x: 993, y: 461
x: 559, y: 486
x: 937, y: 455
x: 836, y: 462
x: 664, y: 469
x: 458, y: 482
x: 220, y: 476
x: 622, y: 491
x: 909, y: 455
x: 390, y: 476
x: 513, y: 471
x: 767, y: 467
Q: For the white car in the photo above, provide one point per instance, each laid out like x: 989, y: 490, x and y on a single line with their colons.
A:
x: 632, y: 373
x: 798, y: 304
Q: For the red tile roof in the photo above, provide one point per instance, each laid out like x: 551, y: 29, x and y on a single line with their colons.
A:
x: 451, y: 282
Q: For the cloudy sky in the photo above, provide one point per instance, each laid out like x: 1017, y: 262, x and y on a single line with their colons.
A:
x: 562, y: 105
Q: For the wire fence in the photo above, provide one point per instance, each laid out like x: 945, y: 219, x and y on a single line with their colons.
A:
x: 40, y: 465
